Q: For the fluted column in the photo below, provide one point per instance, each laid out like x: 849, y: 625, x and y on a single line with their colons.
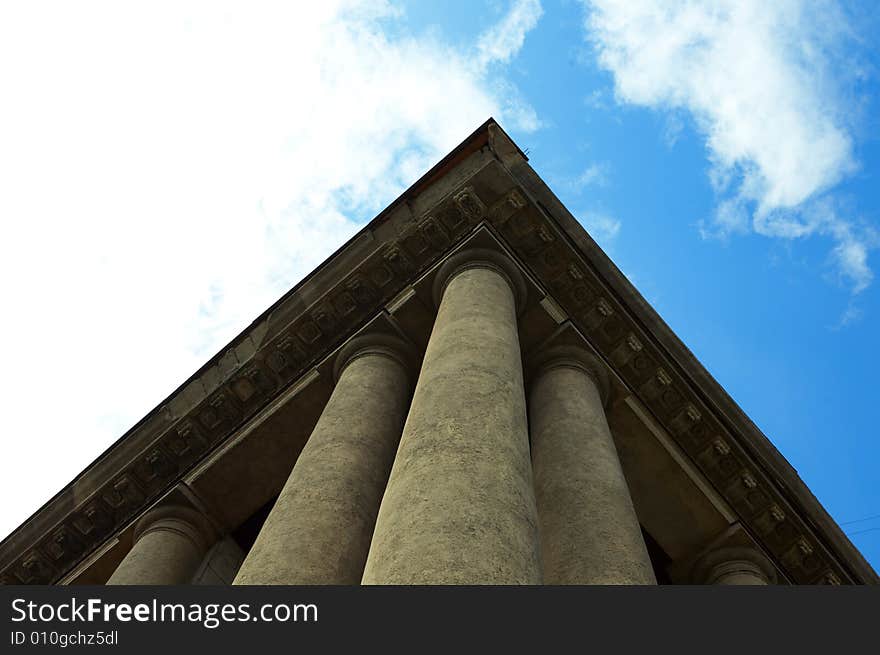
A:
x: 734, y: 566
x: 169, y: 544
x: 459, y: 507
x: 589, y: 530
x: 319, y: 529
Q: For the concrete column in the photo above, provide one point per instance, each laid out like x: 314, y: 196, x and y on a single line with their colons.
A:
x: 589, y: 530
x: 169, y: 544
x: 459, y: 507
x: 319, y: 530
x: 734, y: 566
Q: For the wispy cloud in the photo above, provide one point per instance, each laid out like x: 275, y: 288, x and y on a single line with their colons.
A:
x: 851, y: 314
x: 598, y: 99
x: 765, y: 85
x: 170, y: 169
x: 595, y: 174
x: 504, y: 39
x: 601, y: 227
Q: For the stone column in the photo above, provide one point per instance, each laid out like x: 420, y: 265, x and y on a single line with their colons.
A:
x: 169, y: 544
x: 319, y: 529
x: 734, y: 566
x: 589, y: 530
x: 459, y: 507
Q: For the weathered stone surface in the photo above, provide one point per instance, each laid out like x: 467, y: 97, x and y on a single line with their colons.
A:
x: 220, y: 564
x: 459, y: 507
x: 319, y: 530
x: 589, y: 530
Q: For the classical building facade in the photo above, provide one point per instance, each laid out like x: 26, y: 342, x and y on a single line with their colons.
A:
x: 467, y: 392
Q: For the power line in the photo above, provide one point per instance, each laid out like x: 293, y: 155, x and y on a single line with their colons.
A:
x: 853, y: 534
x: 867, y: 518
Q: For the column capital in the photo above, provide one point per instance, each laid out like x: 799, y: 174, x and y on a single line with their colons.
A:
x: 377, y: 343
x: 492, y: 260
x: 185, y: 521
x: 720, y: 565
x: 570, y: 356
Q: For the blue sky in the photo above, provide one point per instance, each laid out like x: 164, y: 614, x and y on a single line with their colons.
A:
x: 170, y: 170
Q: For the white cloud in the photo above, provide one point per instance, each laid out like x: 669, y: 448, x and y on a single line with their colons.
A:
x: 170, y: 169
x: 851, y: 314
x: 597, y: 99
x: 601, y: 227
x: 504, y: 39
x: 762, y: 80
x: 593, y: 175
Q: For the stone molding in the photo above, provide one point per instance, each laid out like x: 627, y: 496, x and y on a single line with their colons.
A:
x: 471, y: 258
x: 380, y: 344
x: 572, y: 357
x: 179, y: 519
x: 716, y: 564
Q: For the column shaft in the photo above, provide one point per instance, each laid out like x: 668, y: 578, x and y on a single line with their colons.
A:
x: 459, y: 507
x: 589, y: 530
x: 168, y: 548
x: 319, y: 529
